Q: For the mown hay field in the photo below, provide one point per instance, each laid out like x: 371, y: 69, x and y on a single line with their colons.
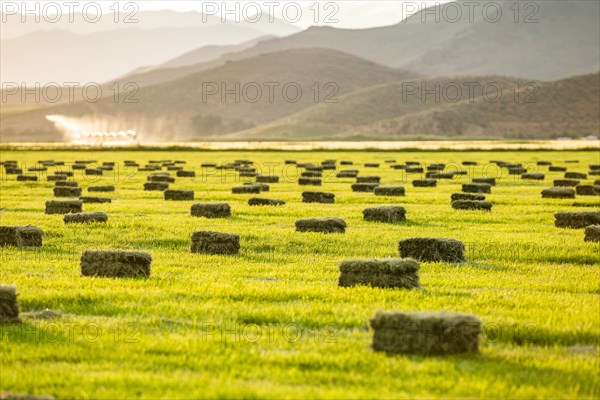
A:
x: 271, y: 321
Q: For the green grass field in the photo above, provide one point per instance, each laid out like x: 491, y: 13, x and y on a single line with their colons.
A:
x: 271, y: 322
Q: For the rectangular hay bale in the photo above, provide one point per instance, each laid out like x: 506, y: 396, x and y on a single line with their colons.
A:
x: 115, y: 263
x: 400, y: 273
x: 21, y: 236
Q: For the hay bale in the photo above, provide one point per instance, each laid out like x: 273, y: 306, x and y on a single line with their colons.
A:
x: 9, y: 306
x: 93, y: 171
x: 572, y: 161
x: 472, y: 205
x: 79, y: 218
x: 466, y: 196
x: 115, y: 263
x: 161, y: 178
x: 594, y: 167
x: 346, y: 162
x: 311, y: 174
x: 592, y: 233
x: 208, y: 165
x: 413, y: 163
x: 385, y: 214
x: 28, y: 178
x: 575, y: 175
x: 290, y: 162
x: 63, y: 206
x: 425, y: 333
x: 318, y: 197
x: 576, y: 219
x: 398, y: 166
x: 257, y: 201
x: 566, y: 182
x: 471, y: 163
x: 211, y: 210
x: 432, y: 249
x: 179, y: 195
x: 54, y: 178
x: 37, y: 169
x: 244, y: 189
x: 544, y: 163
x: 101, y: 188
x: 65, y: 173
x: 158, y: 186
x: 436, y: 167
x: 263, y: 186
x: 424, y: 183
x: 389, y: 190
x: 174, y: 168
x: 414, y: 170
x: 517, y: 171
x: 323, y: 225
x: 594, y: 172
x: 489, y: 181
x: 210, y: 242
x: 587, y: 190
x: 97, y: 200
x: 558, y: 193
x: 78, y: 166
x: 402, y: 273
x: 439, y: 175
x: 267, y: 179
x: 476, y: 187
x: 364, y: 187
x: 247, y: 174
x: 534, y: 176
x: 368, y: 179
x: 65, y: 191
x: 186, y: 174
x: 106, y: 168
x: 309, y: 181
x: 555, y: 168
x: 66, y: 183
x: 13, y: 171
x: 21, y: 236
x: 597, y: 182
x: 390, y: 161
x: 347, y: 174
x: 371, y: 165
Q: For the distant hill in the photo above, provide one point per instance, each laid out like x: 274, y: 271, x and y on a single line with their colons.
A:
x: 569, y: 107
x: 177, y: 110
x: 562, y: 43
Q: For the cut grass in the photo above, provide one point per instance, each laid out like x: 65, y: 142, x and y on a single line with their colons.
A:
x: 271, y: 322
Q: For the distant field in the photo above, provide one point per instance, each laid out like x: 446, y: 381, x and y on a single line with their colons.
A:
x: 271, y: 322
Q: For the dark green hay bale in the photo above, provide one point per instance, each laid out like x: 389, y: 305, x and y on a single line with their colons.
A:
x: 389, y: 190
x: 263, y: 186
x: 315, y: 168
x: 436, y: 167
x: 211, y: 210
x: 517, y: 171
x: 66, y: 183
x: 78, y: 166
x: 267, y: 179
x: 37, y: 169
x: 412, y: 163
x: 390, y: 161
x: 186, y: 174
x: 424, y: 183
x: 109, y: 163
x: 27, y: 178
x: 9, y: 306
x: 21, y: 236
x: 556, y: 168
x: 572, y: 161
x: 257, y: 201
x: 14, y: 171
x: 472, y: 163
x: 179, y: 195
x: 576, y: 219
x: 402, y: 273
x: 174, y: 168
x: 594, y: 172
x: 106, y: 168
x: 254, y: 189
x: 364, y: 187
x: 63, y: 206
x: 208, y: 165
x: 65, y: 173
x: 93, y: 171
x: 318, y: 197
x: 329, y: 167
x: 346, y: 162
x: 558, y: 193
x: 304, y: 165
x: 565, y: 182
x: 309, y: 181
x: 180, y: 162
x: 311, y: 174
x: 439, y: 175
x: 466, y: 196
x: 115, y: 263
x: 54, y: 178
x: 597, y: 182
x: 161, y: 178
x: 247, y: 174
x: 432, y: 249
x: 472, y: 205
x: 368, y: 179
x: 65, y: 191
x: 425, y: 333
x: 594, y: 166
x: 101, y: 188
x: 587, y: 190
x: 534, y: 176
x: 398, y: 166
x: 575, y: 175
x: 460, y: 172
x: 82, y: 217
x: 323, y: 225
x: 159, y: 186
x: 149, y: 168
x: 489, y: 181
x: 290, y: 162
x: 592, y: 233
x: 414, y: 170
x: 371, y: 165
x: 92, y: 199
x: 544, y: 163
x: 347, y: 174
x: 476, y: 187
x: 210, y: 242
x: 385, y: 214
